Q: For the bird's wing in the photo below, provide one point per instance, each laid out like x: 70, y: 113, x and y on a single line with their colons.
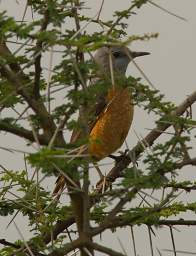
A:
x: 94, y: 112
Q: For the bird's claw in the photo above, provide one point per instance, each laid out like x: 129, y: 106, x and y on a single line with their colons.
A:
x: 121, y: 157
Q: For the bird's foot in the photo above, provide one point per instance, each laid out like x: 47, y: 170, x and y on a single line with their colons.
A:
x: 121, y: 157
x: 103, y: 184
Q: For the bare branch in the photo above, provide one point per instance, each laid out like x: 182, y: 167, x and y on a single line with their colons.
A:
x: 128, y: 197
x: 22, y: 132
x: 39, y: 44
x: 173, y: 242
x: 105, y: 250
x: 185, y: 162
x: 67, y: 248
x: 6, y: 243
x: 167, y: 11
x: 180, y: 222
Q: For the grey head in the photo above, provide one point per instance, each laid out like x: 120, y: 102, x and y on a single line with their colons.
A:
x: 121, y: 56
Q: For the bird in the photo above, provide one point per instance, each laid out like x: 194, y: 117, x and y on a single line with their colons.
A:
x: 113, y: 110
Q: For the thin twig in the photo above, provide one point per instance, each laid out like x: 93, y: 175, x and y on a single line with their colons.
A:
x: 105, y: 250
x: 22, y: 237
x: 49, y: 78
x: 133, y: 240
x: 111, y: 69
x: 122, y: 246
x: 173, y: 242
x: 167, y: 11
x: 24, y: 13
x: 150, y: 238
x: 75, y: 185
x: 37, y: 58
x: 183, y: 252
x: 100, y: 10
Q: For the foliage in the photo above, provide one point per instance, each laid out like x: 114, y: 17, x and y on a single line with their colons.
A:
x: 25, y: 86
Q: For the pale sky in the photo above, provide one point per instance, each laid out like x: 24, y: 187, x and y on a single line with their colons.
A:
x: 171, y: 68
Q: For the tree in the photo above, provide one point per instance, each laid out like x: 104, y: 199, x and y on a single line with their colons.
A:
x: 25, y: 90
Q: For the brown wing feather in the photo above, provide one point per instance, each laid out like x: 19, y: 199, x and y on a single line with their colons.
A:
x: 94, y: 111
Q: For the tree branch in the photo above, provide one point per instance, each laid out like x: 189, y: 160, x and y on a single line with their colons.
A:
x: 185, y: 162
x: 181, y: 186
x: 16, y: 246
x: 118, y: 222
x: 126, y: 160
x: 78, y: 243
x: 59, y: 228
x: 147, y: 141
x: 22, y: 132
x: 180, y: 222
x: 123, y: 222
x: 13, y: 73
x: 6, y: 243
x: 105, y: 250
x: 127, y: 198
x: 39, y: 44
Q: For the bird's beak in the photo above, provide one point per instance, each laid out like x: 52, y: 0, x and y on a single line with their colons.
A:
x: 138, y: 54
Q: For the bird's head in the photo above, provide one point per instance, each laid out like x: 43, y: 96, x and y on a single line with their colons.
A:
x: 120, y: 57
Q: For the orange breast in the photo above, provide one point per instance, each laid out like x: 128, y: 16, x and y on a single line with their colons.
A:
x: 111, y: 129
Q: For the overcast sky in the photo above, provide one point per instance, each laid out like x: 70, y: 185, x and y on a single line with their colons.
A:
x: 171, y: 67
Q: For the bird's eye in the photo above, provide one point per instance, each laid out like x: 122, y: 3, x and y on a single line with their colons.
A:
x: 116, y: 54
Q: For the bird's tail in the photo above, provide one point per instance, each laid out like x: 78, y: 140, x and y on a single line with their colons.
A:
x: 60, y: 184
x: 61, y: 180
